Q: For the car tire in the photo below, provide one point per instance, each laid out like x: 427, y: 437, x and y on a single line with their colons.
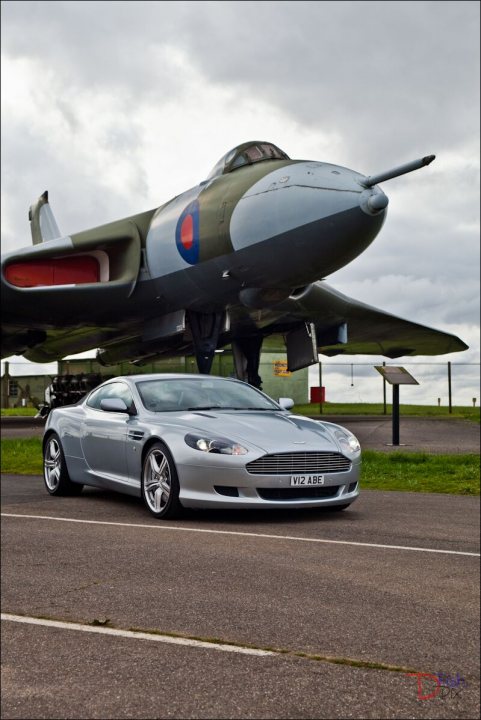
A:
x: 55, y: 474
x: 160, y: 482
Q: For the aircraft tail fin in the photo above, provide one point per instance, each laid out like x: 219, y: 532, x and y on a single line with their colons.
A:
x: 43, y: 225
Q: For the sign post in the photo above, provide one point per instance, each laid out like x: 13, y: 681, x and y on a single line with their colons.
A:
x: 395, y: 376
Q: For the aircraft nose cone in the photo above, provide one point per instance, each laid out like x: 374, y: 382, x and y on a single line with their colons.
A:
x: 373, y: 202
x: 377, y: 202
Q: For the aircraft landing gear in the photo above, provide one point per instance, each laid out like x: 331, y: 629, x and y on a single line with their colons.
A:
x: 205, y: 328
x: 247, y: 356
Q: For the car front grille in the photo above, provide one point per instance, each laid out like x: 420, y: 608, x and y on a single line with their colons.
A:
x: 296, y: 493
x: 302, y: 462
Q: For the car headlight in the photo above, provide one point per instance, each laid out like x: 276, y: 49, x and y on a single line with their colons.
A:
x: 206, y: 443
x: 348, y: 442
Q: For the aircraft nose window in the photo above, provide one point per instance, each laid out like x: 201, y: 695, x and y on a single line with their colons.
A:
x: 253, y: 153
x: 247, y: 154
x: 238, y: 162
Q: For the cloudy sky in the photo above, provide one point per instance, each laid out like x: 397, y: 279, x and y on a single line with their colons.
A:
x: 115, y: 107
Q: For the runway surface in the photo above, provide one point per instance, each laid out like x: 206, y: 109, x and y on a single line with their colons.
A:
x: 337, y: 609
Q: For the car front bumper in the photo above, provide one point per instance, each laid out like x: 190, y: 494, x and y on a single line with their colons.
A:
x: 234, y: 487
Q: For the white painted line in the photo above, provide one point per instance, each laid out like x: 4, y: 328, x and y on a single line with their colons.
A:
x: 134, y: 634
x: 242, y: 534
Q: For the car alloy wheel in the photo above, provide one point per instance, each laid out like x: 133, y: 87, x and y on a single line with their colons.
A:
x: 52, y: 464
x: 55, y: 473
x: 160, y: 485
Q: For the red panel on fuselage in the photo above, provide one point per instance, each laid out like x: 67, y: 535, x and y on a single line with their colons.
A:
x: 60, y: 271
x: 187, y: 232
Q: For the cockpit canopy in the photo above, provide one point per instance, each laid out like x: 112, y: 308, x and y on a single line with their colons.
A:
x: 246, y: 154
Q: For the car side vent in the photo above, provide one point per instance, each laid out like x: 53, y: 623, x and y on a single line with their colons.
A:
x: 226, y: 490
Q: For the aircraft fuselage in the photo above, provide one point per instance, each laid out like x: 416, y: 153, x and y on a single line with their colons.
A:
x: 274, y: 226
x: 219, y: 263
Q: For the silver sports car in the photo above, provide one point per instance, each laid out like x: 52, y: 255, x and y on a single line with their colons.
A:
x: 198, y: 441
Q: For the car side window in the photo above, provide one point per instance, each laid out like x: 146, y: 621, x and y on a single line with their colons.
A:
x: 112, y: 390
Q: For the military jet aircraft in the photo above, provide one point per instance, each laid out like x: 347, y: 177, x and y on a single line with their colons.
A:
x: 241, y: 256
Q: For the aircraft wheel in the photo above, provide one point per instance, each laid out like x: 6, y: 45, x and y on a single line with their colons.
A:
x: 160, y: 484
x: 55, y: 473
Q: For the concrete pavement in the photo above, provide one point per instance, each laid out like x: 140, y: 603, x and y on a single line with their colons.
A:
x: 392, y: 581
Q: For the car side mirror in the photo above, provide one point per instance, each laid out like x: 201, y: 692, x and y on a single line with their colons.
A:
x: 286, y: 403
x: 114, y: 405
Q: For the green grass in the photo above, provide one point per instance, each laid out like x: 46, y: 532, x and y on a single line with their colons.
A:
x: 414, y: 472
x: 420, y: 472
x: 466, y: 413
x: 21, y: 412
x: 22, y: 456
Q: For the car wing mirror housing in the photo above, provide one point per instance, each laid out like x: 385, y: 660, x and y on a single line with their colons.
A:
x: 286, y: 403
x: 113, y: 405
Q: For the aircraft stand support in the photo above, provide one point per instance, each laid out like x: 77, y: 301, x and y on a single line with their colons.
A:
x: 205, y: 328
x: 247, y: 356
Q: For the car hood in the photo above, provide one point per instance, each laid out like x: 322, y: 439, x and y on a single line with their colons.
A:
x: 269, y: 432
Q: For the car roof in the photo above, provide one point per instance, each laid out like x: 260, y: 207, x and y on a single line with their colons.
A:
x: 169, y: 376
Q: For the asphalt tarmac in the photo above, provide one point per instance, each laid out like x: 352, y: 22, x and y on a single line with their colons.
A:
x: 345, y: 605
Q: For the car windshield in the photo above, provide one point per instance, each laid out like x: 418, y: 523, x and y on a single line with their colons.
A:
x: 180, y: 394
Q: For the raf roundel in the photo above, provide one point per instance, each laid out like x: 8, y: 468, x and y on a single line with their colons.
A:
x: 187, y: 233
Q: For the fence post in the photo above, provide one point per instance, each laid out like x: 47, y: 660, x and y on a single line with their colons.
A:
x: 320, y: 388
x: 395, y: 414
x: 449, y: 388
x: 5, y: 385
x: 384, y: 392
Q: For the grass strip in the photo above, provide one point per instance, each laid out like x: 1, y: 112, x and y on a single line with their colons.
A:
x: 421, y: 472
x: 428, y: 411
x: 19, y: 412
x: 22, y: 456
x: 312, y: 409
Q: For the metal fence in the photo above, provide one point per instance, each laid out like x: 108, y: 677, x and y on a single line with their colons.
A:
x: 440, y: 383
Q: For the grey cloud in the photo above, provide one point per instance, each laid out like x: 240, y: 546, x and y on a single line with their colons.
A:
x: 390, y: 77
x: 77, y: 197
x: 102, y: 46
x: 392, y: 81
x: 430, y: 302
x: 387, y: 75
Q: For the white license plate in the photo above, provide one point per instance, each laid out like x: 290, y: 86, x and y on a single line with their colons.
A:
x: 307, y: 479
